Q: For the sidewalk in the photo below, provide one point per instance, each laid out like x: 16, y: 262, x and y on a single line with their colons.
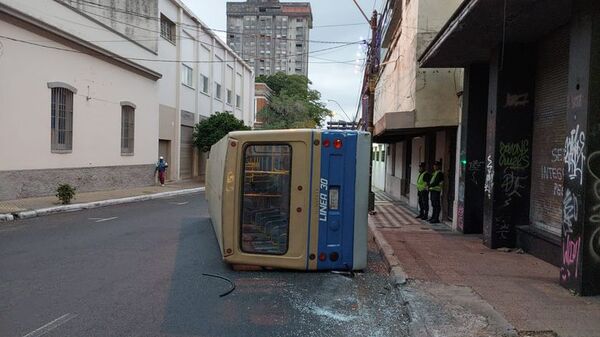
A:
x: 444, y: 266
x: 25, y: 206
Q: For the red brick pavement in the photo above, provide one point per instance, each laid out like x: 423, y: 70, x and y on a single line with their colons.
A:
x: 523, y: 288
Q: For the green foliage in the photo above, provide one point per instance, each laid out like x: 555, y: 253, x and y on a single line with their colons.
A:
x: 212, y: 129
x: 293, y: 104
x: 65, y: 193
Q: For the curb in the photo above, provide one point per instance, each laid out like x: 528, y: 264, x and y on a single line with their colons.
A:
x: 397, y: 274
x: 6, y: 217
x: 94, y: 204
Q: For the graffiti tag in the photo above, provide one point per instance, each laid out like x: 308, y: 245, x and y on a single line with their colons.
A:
x: 514, y: 155
x: 570, y: 263
x: 558, y: 190
x: 475, y: 167
x: 574, y: 155
x: 552, y: 173
x: 512, y: 184
x: 516, y: 100
x: 502, y: 228
x: 557, y: 154
x: 489, y: 177
x: 570, y: 210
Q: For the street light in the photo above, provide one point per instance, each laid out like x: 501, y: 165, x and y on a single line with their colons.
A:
x: 338, y: 104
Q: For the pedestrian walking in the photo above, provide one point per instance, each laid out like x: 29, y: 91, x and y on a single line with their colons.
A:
x: 435, y: 191
x: 423, y: 192
x: 161, y: 168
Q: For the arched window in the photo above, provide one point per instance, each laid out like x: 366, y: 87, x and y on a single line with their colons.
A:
x: 127, y: 128
x: 61, y: 120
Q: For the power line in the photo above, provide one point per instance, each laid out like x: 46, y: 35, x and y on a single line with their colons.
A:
x: 137, y: 58
x: 193, y: 27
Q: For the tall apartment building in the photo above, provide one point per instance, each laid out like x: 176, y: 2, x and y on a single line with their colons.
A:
x: 271, y: 36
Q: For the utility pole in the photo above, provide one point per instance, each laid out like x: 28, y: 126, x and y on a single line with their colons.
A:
x: 371, y: 73
x: 371, y: 82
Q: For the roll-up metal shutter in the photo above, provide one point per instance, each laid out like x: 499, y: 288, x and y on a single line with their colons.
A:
x: 549, y: 128
x: 186, y: 153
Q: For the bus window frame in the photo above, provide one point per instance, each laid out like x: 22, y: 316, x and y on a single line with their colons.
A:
x: 242, y: 183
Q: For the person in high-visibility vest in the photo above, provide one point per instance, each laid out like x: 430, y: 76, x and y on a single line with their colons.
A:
x: 423, y: 193
x: 435, y: 190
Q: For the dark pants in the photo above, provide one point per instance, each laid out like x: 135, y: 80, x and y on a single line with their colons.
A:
x: 424, y: 204
x: 161, y: 177
x: 435, y: 204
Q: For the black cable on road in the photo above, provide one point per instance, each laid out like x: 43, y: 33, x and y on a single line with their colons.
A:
x: 223, y: 278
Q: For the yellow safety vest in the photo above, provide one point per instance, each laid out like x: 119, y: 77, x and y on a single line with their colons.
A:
x: 437, y: 188
x: 421, y: 184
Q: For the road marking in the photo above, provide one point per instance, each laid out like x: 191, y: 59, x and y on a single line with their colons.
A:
x: 103, y: 219
x: 51, y: 326
x: 179, y: 203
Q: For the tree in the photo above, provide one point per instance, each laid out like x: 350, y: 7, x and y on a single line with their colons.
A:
x: 212, y: 129
x: 293, y: 104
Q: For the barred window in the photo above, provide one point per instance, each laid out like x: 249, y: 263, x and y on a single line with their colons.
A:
x: 238, y: 101
x: 229, y: 96
x: 127, y: 129
x: 61, y: 120
x: 167, y: 29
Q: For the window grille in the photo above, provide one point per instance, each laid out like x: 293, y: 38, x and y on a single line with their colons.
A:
x: 167, y: 29
x: 238, y: 101
x: 127, y: 129
x: 229, y: 97
x: 61, y: 120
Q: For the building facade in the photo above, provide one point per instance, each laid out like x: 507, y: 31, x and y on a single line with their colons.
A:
x: 262, y: 97
x: 208, y: 77
x: 271, y: 36
x: 73, y: 110
x: 530, y: 129
x: 416, y: 110
x: 121, y: 82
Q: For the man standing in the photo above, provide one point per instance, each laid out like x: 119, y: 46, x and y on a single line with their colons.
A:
x: 423, y: 193
x: 435, y: 190
x: 161, y: 168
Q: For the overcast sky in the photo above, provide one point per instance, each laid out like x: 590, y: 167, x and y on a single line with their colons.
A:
x: 340, y: 82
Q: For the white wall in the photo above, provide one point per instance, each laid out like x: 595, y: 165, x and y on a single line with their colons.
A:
x: 25, y: 109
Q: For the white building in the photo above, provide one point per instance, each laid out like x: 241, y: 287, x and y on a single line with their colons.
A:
x: 93, y: 92
x: 210, y: 78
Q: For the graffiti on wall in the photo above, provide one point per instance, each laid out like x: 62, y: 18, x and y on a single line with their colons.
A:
x: 514, y: 155
x: 516, y: 100
x: 502, y: 228
x: 574, y: 159
x: 570, y: 263
x: 593, y: 166
x: 474, y: 167
x: 574, y: 154
x: 555, y: 174
x: 489, y: 177
x: 570, y: 211
x: 512, y: 184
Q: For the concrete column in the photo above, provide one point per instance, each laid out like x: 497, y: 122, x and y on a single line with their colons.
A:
x: 580, y: 268
x: 471, y: 175
x: 508, y: 144
x: 176, y: 154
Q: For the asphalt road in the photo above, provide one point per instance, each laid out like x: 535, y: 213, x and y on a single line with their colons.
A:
x: 136, y: 270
